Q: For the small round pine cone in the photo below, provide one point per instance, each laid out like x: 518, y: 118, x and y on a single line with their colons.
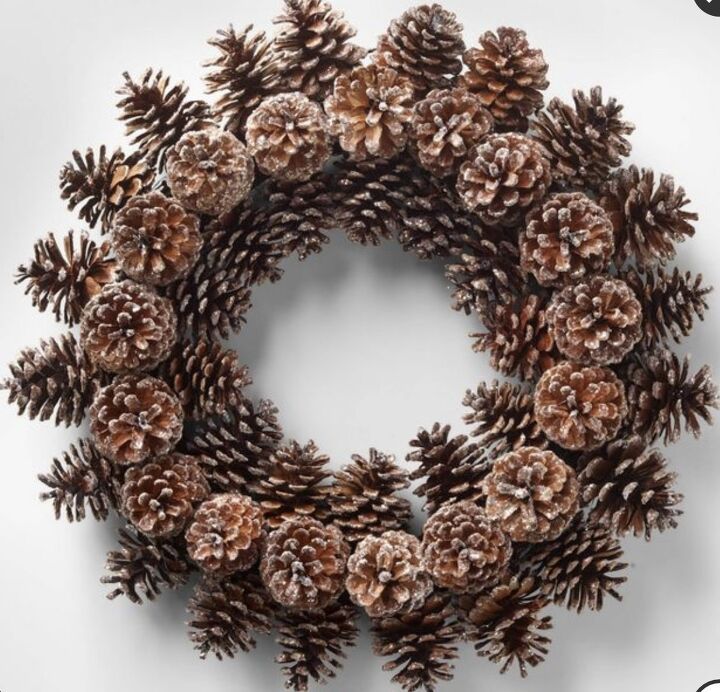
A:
x: 156, y: 241
x: 503, y: 177
x: 303, y: 564
x: 386, y: 574
x: 463, y: 550
x: 445, y: 125
x: 565, y: 239
x: 128, y: 327
x: 210, y: 171
x: 580, y: 408
x: 158, y: 497
x: 135, y: 417
x: 288, y: 136
x: 370, y: 109
x: 225, y: 534
x: 533, y: 495
x: 597, y: 322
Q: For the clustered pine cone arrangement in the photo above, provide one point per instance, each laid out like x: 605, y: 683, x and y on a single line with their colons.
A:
x: 557, y: 249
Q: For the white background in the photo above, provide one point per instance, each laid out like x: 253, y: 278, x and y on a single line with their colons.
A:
x: 357, y: 347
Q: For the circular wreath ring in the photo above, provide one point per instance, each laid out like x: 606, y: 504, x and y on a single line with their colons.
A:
x: 558, y: 250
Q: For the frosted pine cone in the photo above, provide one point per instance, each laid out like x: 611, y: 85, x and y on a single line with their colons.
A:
x: 128, y: 327
x: 386, y: 574
x: 288, y: 136
x: 134, y: 418
x: 463, y: 550
x: 210, y: 171
x: 225, y: 534
x: 158, y: 497
x: 303, y: 564
x: 598, y: 321
x: 156, y: 241
x: 565, y: 239
x: 532, y: 494
x: 580, y: 408
x: 503, y: 177
x: 370, y: 110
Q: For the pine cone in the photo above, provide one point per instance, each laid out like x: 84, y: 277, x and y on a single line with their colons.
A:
x: 583, y: 142
x: 647, y: 219
x: 424, y: 45
x: 565, y: 239
x: 597, y: 322
x: 209, y: 171
x: 303, y: 564
x: 158, y: 497
x: 135, y: 417
x: 314, y: 45
x: 630, y: 488
x: 508, y: 76
x: 156, y: 241
x: 503, y: 177
x: 225, y: 534
x: 445, y: 125
x: 67, y: 278
x: 101, y: 187
x: 370, y: 109
x: 532, y: 494
x: 580, y: 408
x: 127, y: 327
x: 386, y: 574
x: 463, y: 551
x: 289, y: 484
x: 363, y: 497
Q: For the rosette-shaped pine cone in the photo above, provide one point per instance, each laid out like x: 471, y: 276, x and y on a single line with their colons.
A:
x: 445, y: 125
x: 424, y: 44
x: 288, y: 136
x: 565, y: 239
x: 156, y: 241
x: 158, y: 497
x: 210, y: 171
x: 580, y: 408
x: 532, y: 494
x: 128, y: 327
x: 303, y: 564
x: 463, y: 550
x: 225, y: 534
x: 134, y: 418
x: 598, y: 321
x: 370, y: 110
x: 508, y: 76
x: 386, y: 574
x: 503, y: 177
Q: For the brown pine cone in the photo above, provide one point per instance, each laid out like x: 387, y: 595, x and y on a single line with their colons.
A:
x: 596, y: 322
x: 424, y: 45
x: 445, y: 125
x: 370, y: 109
x: 128, y: 327
x: 386, y: 574
x: 288, y: 136
x: 503, y: 176
x: 464, y: 551
x: 225, y: 534
x: 532, y: 494
x: 158, y: 497
x: 303, y: 564
x: 580, y: 408
x: 134, y: 418
x: 508, y: 76
x: 156, y: 241
x: 565, y: 239
x: 210, y: 171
